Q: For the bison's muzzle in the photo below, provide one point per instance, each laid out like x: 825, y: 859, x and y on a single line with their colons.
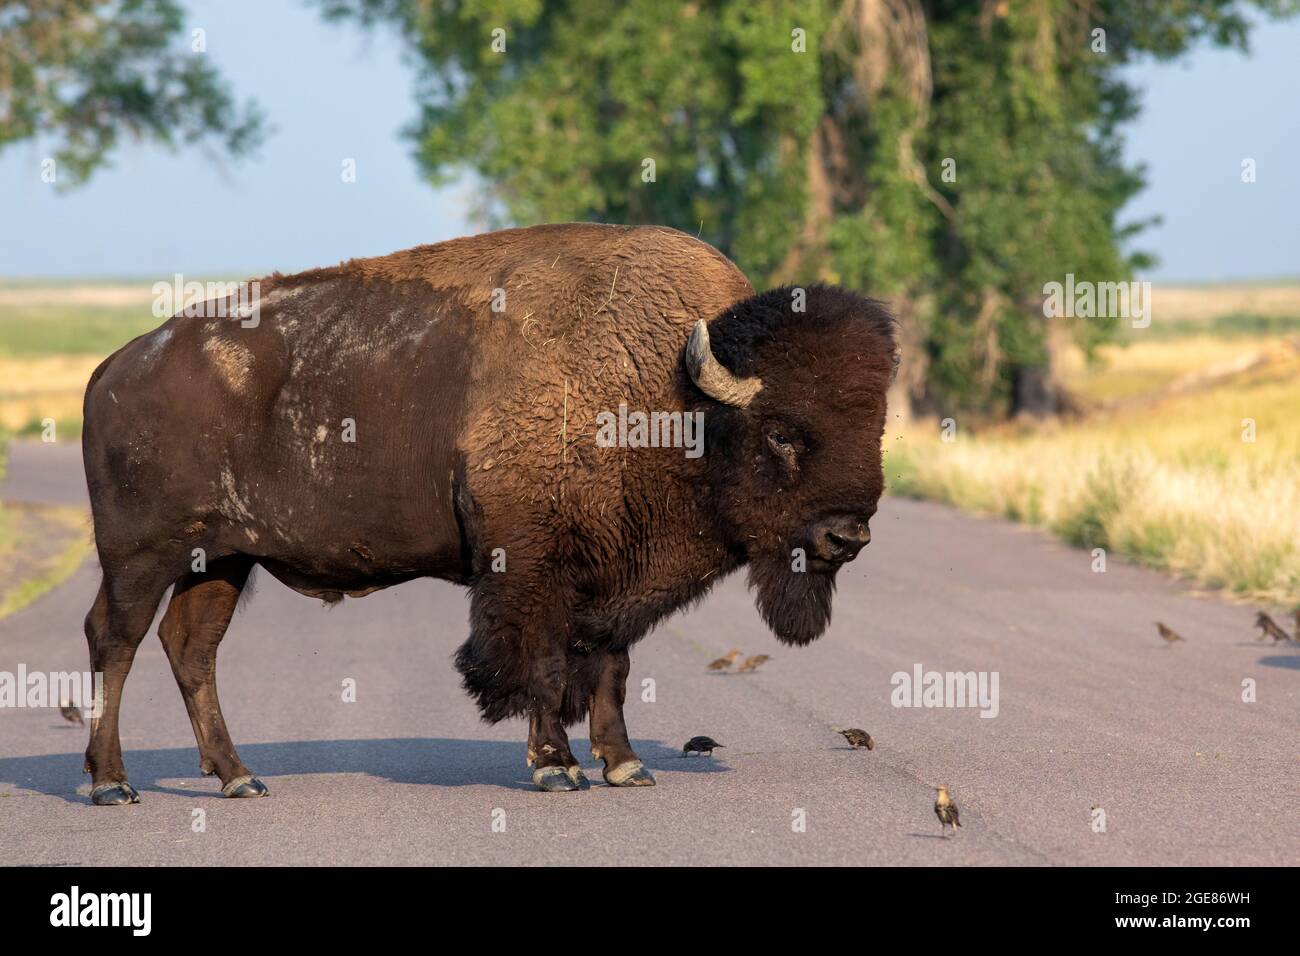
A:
x: 838, y: 540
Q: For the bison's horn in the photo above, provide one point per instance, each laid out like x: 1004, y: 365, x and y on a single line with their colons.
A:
x: 712, y: 377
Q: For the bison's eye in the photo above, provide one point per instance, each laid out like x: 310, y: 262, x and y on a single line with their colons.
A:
x: 784, y: 445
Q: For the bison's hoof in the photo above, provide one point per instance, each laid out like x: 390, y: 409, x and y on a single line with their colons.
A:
x: 245, y: 787
x: 577, y: 776
x: 114, y: 795
x: 556, y: 779
x: 631, y: 773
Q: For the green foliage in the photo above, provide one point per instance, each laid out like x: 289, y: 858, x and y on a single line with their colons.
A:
x: 826, y: 163
x: 76, y: 75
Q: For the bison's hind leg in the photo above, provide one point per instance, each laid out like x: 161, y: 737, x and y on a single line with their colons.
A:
x: 123, y: 610
x: 195, y: 622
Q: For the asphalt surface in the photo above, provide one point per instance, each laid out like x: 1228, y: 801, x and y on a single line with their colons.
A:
x: 1093, y: 710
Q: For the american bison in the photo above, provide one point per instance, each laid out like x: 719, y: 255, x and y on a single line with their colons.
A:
x: 435, y: 412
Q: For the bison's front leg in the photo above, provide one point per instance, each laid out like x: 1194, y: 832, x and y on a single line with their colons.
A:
x: 516, y: 662
x: 608, y: 731
x: 554, y: 766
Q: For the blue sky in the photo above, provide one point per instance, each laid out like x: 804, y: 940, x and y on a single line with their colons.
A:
x: 332, y: 93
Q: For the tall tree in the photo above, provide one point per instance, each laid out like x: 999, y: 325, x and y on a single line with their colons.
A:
x: 77, y: 75
x: 950, y: 156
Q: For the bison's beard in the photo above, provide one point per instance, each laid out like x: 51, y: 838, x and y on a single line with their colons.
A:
x: 795, y: 605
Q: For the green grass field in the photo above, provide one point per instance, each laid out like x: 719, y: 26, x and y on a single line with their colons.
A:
x: 39, y: 331
x: 51, y: 338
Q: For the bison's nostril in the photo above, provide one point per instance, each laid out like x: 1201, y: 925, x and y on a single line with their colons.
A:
x: 848, y: 545
x: 842, y: 539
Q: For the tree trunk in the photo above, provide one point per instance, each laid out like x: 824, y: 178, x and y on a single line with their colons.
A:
x: 1037, y: 390
x: 806, y: 256
x: 907, y: 394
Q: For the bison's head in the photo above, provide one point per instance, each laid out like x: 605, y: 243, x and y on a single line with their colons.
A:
x: 793, y: 434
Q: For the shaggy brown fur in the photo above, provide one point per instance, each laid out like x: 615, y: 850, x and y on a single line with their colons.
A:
x: 475, y: 441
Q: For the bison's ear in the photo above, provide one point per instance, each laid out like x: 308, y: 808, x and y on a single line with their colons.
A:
x: 712, y: 377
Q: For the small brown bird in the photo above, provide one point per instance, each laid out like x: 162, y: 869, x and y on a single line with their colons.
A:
x: 71, y: 714
x: 700, y: 745
x: 856, y: 738
x: 945, y: 808
x: 1169, y: 634
x: 753, y: 663
x: 722, y: 663
x: 1269, y: 628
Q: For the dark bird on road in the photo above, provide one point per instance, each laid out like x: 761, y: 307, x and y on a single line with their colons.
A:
x: 722, y: 663
x: 945, y: 808
x: 70, y: 713
x: 1169, y: 634
x: 856, y: 738
x: 1269, y: 628
x: 753, y: 663
x: 700, y: 745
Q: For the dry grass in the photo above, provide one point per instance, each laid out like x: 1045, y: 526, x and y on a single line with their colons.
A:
x: 1142, y: 366
x: 1172, y: 485
x: 32, y: 389
x: 1159, y: 472
x: 1170, y: 303
x: 51, y: 338
x: 84, y: 294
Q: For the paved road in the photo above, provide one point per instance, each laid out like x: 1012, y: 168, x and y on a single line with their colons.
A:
x: 1093, y: 710
x: 45, y: 474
